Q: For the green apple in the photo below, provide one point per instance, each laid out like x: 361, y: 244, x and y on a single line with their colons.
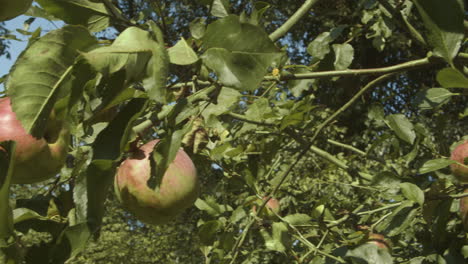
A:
x: 178, y: 190
x: 37, y: 159
x: 10, y: 9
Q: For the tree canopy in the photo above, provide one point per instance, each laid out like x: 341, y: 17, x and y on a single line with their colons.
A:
x: 344, y: 112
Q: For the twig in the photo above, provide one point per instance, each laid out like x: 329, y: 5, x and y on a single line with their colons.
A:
x: 281, y: 31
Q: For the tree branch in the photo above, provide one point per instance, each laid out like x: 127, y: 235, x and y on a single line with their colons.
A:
x: 281, y: 31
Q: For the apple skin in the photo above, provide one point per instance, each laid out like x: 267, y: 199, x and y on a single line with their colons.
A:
x: 460, y: 153
x: 13, y: 8
x: 36, y: 159
x: 178, y: 190
x: 272, y: 208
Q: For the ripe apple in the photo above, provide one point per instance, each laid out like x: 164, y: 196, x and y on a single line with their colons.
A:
x: 36, y: 159
x: 178, y: 190
x: 460, y: 154
x: 13, y: 8
x: 272, y: 208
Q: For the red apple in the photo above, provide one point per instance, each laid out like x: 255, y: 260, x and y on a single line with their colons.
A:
x: 272, y: 208
x: 460, y: 154
x: 36, y: 159
x: 177, y: 191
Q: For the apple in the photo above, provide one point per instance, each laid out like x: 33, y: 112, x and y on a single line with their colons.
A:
x: 13, y: 8
x: 272, y: 208
x: 460, y: 154
x: 36, y: 159
x: 178, y: 189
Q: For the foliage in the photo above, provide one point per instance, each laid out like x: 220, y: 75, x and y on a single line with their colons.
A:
x: 345, y: 111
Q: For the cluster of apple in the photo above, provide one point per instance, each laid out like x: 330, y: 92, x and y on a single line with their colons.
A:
x: 38, y: 159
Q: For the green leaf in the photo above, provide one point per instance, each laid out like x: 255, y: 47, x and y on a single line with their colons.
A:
x: 402, y: 127
x: 452, y: 78
x: 344, y: 55
x: 24, y: 214
x: 230, y: 34
x: 400, y: 219
x: 6, y: 171
x: 78, y: 237
x: 130, y: 51
x: 435, y: 164
x: 445, y: 32
x: 320, y: 47
x: 34, y: 92
x: 241, y: 70
x: 297, y: 219
x: 210, y: 206
x: 182, y: 54
x: 280, y: 236
x: 433, y: 97
x: 158, y: 68
x: 197, y: 28
x: 90, y: 14
x: 166, y: 150
x: 207, y: 232
x: 412, y: 192
x: 226, y: 99
x: 220, y: 8
x: 118, y: 130
x: 369, y: 253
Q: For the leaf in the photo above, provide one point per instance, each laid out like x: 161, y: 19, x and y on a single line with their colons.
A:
x: 130, y: 51
x: 226, y: 99
x: 207, y: 232
x: 412, y: 192
x: 452, y: 78
x: 182, y: 53
x: 400, y: 219
x: 344, y: 55
x: 210, y: 206
x: 231, y: 34
x: 165, y: 151
x: 24, y: 214
x: 369, y: 253
x: 297, y: 219
x: 240, y: 70
x: 158, y: 67
x: 6, y: 172
x: 435, y: 164
x: 445, y: 33
x: 433, y: 97
x: 197, y: 28
x: 90, y: 14
x: 402, y: 127
x: 35, y: 80
x: 220, y: 8
x: 280, y: 237
x: 78, y: 237
x: 118, y: 130
x: 320, y: 47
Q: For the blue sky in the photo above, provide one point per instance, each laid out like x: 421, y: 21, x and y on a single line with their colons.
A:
x: 16, y: 47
